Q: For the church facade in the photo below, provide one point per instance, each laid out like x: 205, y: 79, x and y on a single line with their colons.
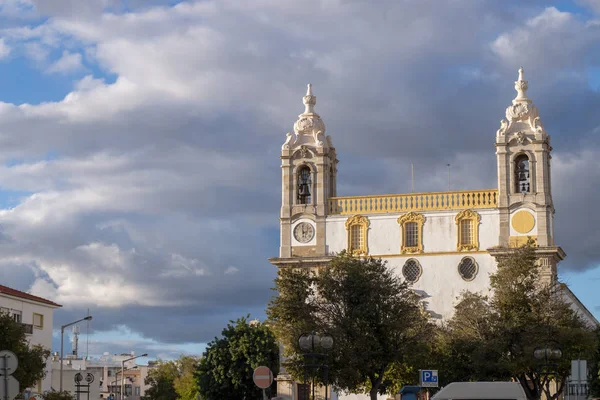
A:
x: 443, y: 242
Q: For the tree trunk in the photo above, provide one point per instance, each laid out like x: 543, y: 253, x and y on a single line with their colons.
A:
x: 373, y: 392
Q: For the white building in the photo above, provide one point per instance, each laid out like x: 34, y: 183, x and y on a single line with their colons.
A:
x: 444, y: 242
x: 36, y: 314
x: 106, y: 373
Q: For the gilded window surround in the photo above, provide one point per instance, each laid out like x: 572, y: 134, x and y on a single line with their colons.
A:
x: 364, y: 223
x: 476, y: 218
x: 402, y: 221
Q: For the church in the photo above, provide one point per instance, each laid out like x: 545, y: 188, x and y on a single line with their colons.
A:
x: 442, y: 242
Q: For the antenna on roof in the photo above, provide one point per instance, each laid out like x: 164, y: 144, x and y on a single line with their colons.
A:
x: 87, y: 336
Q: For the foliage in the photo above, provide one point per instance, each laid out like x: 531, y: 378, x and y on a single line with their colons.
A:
x: 594, y: 367
x: 185, y: 382
x: 225, y: 372
x: 56, y: 395
x: 32, y: 359
x: 172, y: 380
x: 495, y: 338
x: 378, y: 326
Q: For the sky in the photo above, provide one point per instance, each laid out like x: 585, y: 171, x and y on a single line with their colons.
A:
x: 140, y: 139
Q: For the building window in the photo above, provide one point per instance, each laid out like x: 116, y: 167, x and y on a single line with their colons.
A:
x: 304, y: 185
x: 109, y: 373
x: 16, y: 315
x: 412, y: 270
x: 4, y: 310
x: 468, y: 230
x: 38, y: 321
x: 522, y: 182
x: 467, y: 268
x: 137, y: 390
x: 411, y: 225
x: 357, y: 227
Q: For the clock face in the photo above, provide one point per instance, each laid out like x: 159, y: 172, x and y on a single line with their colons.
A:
x: 304, y: 232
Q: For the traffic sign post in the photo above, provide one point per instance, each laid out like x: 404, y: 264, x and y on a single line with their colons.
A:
x: 263, y: 378
x: 428, y: 378
x: 9, y: 386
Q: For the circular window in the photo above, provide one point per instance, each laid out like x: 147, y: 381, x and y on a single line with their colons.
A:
x: 467, y: 268
x: 412, y: 270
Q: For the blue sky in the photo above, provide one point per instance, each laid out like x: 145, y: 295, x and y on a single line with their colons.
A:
x: 140, y: 140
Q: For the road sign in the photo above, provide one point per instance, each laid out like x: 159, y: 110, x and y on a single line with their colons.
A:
x: 428, y: 378
x: 9, y: 387
x: 8, y: 362
x: 262, y: 377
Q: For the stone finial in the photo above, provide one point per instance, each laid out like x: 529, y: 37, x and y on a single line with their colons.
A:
x: 521, y: 86
x: 309, y: 101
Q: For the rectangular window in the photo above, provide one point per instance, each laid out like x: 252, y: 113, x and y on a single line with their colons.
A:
x: 357, y: 237
x: 38, y: 321
x: 109, y: 372
x: 16, y: 315
x: 4, y: 310
x: 466, y: 231
x: 411, y: 231
x: 137, y: 390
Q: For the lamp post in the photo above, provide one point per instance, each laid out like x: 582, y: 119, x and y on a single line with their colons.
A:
x: 123, y: 370
x: 548, y: 357
x: 62, y: 337
x: 309, y: 343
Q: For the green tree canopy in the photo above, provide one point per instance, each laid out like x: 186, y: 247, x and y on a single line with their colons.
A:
x: 494, y: 338
x: 225, y: 372
x: 32, y: 359
x: 161, y: 381
x: 376, y: 320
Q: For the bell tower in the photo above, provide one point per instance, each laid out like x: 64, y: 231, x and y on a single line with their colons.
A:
x: 308, y: 180
x: 524, y: 181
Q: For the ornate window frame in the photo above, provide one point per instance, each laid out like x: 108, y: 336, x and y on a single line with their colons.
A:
x: 363, y: 223
x: 402, y: 221
x: 475, y: 264
x: 404, y: 270
x: 476, y: 218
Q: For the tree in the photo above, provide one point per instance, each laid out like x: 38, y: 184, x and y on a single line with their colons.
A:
x: 376, y: 320
x: 595, y: 368
x: 161, y: 381
x: 32, y: 359
x: 225, y: 371
x: 185, y: 383
x: 494, y: 338
x: 173, y: 380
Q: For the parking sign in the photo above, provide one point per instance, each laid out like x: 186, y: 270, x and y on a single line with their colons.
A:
x: 428, y: 378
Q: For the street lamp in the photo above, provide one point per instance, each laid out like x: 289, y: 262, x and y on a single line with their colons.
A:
x: 123, y: 370
x: 548, y: 357
x: 309, y: 343
x: 62, y: 336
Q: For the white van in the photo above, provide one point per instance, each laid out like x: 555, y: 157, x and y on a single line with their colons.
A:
x: 481, y: 391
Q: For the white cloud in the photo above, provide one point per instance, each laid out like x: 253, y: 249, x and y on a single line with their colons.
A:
x: 4, y: 49
x: 67, y: 63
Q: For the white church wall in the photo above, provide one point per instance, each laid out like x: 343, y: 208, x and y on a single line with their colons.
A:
x: 440, y: 232
x: 440, y: 280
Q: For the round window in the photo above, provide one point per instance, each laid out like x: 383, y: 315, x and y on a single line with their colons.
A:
x: 412, y: 270
x: 467, y: 268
